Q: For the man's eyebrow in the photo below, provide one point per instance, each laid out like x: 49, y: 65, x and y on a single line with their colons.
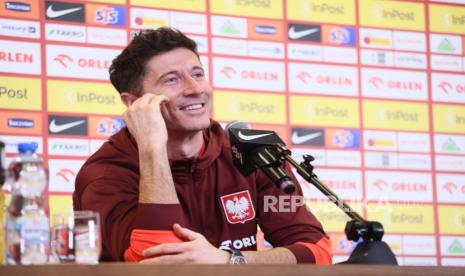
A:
x: 167, y: 73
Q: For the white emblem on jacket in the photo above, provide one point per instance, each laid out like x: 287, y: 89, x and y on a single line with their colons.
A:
x: 238, y: 207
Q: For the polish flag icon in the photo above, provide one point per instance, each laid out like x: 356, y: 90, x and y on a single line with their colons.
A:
x: 238, y: 207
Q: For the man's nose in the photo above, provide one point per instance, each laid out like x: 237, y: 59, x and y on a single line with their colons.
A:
x: 192, y: 86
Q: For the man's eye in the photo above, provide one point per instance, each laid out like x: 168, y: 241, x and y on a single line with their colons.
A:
x: 171, y: 80
x: 199, y: 75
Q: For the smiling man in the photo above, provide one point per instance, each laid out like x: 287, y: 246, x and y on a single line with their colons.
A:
x: 166, y: 186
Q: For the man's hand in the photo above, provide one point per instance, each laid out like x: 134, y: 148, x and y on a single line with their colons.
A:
x: 196, y: 249
x: 145, y: 121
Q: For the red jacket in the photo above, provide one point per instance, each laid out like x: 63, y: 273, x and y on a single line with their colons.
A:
x: 215, y: 200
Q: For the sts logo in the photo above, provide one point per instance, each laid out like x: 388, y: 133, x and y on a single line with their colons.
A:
x: 106, y: 15
x: 109, y: 126
x: 337, y: 35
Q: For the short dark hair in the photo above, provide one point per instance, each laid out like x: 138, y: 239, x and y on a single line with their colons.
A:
x: 128, y: 68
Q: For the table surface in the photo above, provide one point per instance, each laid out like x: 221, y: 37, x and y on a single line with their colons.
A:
x: 123, y: 269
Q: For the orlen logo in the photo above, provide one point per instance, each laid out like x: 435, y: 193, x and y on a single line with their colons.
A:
x: 63, y: 59
x: 66, y: 60
x: 380, y: 185
x: 378, y: 83
x: 230, y: 72
x: 66, y: 174
x: 447, y: 87
x: 306, y: 77
x: 18, y: 6
x: 401, y: 186
x: 16, y: 57
x: 453, y: 188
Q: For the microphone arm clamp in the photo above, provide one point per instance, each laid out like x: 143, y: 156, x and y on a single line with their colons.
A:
x: 372, y: 250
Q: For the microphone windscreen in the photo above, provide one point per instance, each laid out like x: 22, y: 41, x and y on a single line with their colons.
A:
x: 236, y: 124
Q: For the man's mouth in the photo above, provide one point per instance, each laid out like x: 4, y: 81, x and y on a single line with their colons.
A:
x: 192, y: 106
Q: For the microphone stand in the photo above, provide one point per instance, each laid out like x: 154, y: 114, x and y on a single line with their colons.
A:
x: 372, y: 250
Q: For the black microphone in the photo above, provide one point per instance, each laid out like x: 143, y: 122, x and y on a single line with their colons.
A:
x: 252, y: 149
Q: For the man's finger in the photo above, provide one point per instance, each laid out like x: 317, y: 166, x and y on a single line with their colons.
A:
x: 167, y: 259
x: 166, y: 248
x: 185, y: 233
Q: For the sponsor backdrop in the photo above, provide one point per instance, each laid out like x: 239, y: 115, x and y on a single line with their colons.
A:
x: 375, y: 90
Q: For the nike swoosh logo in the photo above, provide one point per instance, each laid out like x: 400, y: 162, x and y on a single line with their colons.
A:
x: 293, y: 34
x: 296, y: 139
x: 54, y: 14
x: 54, y: 128
x: 252, y: 137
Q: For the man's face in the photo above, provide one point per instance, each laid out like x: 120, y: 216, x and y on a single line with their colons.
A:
x: 178, y: 75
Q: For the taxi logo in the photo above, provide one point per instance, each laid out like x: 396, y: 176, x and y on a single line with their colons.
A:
x: 106, y: 15
x: 68, y: 147
x: 238, y: 207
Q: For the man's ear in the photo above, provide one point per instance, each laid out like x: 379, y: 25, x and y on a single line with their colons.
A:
x: 127, y: 98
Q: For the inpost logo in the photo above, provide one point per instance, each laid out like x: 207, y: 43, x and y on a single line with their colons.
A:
x: 449, y: 118
x: 328, y: 11
x: 20, y: 93
x: 188, y: 5
x: 320, y: 111
x: 392, y: 14
x: 448, y: 19
x: 395, y: 115
x: 250, y: 107
x: 253, y: 8
x: 403, y: 217
x: 88, y: 97
x: 451, y: 219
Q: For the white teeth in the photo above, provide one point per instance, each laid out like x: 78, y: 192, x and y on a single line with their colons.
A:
x: 192, y: 107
